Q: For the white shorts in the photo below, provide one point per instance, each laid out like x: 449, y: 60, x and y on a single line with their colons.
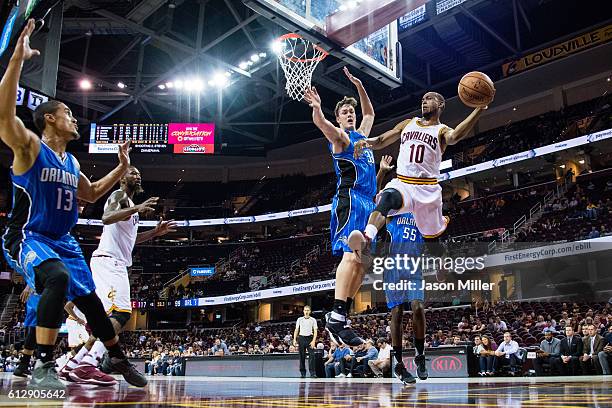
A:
x: 77, y: 333
x: 112, y: 284
x: 424, y: 201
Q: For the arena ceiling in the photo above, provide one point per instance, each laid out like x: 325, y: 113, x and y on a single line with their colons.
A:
x: 145, y: 43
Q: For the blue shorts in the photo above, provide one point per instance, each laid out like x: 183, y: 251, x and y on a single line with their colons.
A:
x: 410, y: 291
x: 25, y: 254
x: 31, y: 310
x: 350, y: 211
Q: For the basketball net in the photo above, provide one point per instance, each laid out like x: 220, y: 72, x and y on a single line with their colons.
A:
x: 298, y: 57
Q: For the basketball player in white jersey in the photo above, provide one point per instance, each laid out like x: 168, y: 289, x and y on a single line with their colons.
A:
x: 110, y: 262
x: 415, y: 189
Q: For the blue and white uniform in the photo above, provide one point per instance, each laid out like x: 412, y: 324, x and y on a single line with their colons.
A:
x: 355, y: 191
x: 404, y: 239
x: 44, y: 211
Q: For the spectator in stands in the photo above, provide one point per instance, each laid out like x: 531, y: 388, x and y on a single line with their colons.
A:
x: 175, y: 366
x: 479, y: 326
x: 491, y: 325
x: 594, y: 233
x: 477, y: 343
x: 150, y: 365
x: 500, y: 325
x: 436, y: 341
x: 571, y: 351
x: 486, y: 357
x: 361, y: 362
x: 383, y: 362
x: 463, y: 326
x: 321, y: 346
x: 506, y: 353
x: 592, y: 345
x: 348, y: 362
x: 584, y: 330
x: 11, y: 362
x: 304, y: 337
x: 606, y: 354
x: 220, y: 348
x: 549, y: 353
x: 332, y: 365
x: 591, y: 209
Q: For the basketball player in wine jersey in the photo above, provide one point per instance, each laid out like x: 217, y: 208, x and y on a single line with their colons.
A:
x: 110, y: 262
x: 353, y: 201
x: 415, y: 189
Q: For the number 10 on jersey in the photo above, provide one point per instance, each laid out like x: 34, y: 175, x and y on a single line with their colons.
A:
x: 417, y: 153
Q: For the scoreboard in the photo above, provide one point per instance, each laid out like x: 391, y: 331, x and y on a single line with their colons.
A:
x: 164, y: 304
x: 178, y: 138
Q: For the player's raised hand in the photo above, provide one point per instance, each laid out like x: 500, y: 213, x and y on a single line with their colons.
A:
x: 124, y: 154
x: 355, y: 81
x: 312, y: 97
x: 23, y: 52
x: 165, y: 227
x: 148, y: 205
x: 359, y: 147
x: 385, y: 163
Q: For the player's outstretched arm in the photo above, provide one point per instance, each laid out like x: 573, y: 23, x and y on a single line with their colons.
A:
x: 118, y: 207
x: 91, y: 192
x: 383, y: 140
x: 454, y: 136
x: 24, y: 143
x: 162, y: 228
x: 334, y: 135
x: 367, y: 110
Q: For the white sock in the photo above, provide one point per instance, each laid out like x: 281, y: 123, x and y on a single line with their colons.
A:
x: 95, y: 354
x: 371, y: 231
x: 63, y: 360
x: 76, y: 360
x: 338, y: 316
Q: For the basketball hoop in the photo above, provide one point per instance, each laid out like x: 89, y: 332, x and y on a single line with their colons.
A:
x: 298, y: 58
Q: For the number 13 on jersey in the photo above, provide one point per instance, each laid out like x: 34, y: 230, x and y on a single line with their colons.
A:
x: 65, y: 199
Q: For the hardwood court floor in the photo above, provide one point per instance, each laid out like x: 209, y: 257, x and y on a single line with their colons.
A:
x: 549, y: 392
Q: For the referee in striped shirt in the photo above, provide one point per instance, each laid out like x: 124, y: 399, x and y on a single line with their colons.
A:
x: 304, y: 337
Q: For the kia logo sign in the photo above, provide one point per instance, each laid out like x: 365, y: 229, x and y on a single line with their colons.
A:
x: 442, y: 365
x: 446, y: 364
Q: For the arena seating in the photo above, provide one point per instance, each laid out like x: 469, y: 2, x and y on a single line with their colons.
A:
x: 584, y: 212
x: 534, y: 132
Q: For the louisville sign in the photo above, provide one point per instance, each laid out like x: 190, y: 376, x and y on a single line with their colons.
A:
x: 576, y: 44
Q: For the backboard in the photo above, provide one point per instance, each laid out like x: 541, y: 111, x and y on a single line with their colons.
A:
x: 378, y: 54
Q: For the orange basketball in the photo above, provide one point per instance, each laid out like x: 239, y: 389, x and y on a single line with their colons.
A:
x: 476, y: 89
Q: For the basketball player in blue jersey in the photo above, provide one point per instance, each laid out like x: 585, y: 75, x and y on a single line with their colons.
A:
x: 30, y: 299
x: 46, y: 184
x: 354, y: 199
x: 405, y: 239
